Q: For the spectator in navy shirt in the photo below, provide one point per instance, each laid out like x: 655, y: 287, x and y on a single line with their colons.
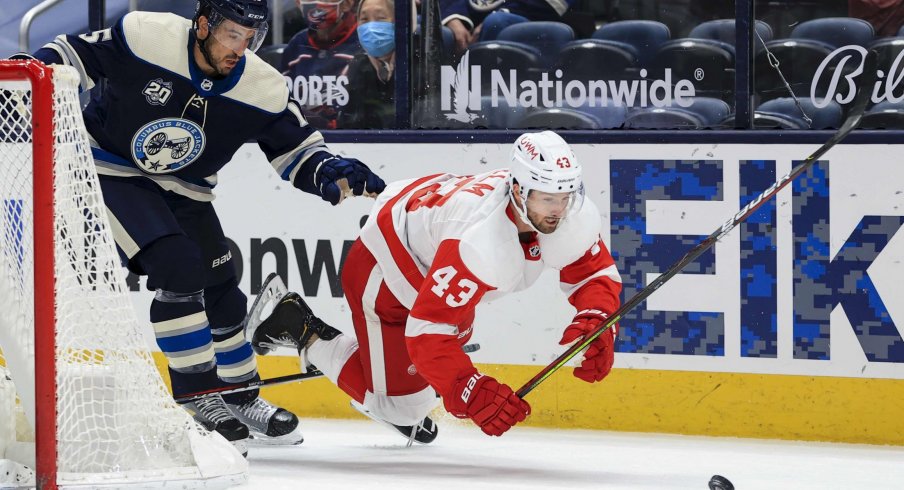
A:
x: 316, y: 59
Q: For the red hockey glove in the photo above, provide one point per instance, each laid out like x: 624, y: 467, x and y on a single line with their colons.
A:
x: 599, y: 357
x: 490, y: 404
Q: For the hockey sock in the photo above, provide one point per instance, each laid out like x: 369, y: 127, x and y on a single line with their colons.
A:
x: 340, y: 360
x: 182, y: 333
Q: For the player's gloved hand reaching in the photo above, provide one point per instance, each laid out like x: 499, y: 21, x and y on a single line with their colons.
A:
x: 599, y: 357
x: 490, y: 404
x: 337, y: 178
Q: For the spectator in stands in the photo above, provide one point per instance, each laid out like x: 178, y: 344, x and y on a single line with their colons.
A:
x: 886, y: 16
x: 316, y: 59
x: 371, y: 103
x: 480, y: 20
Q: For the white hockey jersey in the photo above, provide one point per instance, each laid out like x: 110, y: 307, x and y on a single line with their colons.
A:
x: 445, y: 242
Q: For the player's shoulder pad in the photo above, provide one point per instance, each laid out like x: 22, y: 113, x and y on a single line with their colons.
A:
x: 577, y: 235
x: 260, y: 86
x: 158, y: 38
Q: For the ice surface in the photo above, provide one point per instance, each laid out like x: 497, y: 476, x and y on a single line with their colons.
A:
x: 341, y: 454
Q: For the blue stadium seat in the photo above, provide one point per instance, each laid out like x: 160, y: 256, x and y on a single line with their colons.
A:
x: 272, y: 54
x: 548, y: 37
x: 798, y: 61
x: 836, y: 31
x: 596, y: 59
x: 691, y: 58
x: 557, y: 119
x: 724, y: 30
x: 608, y: 116
x: 888, y: 49
x: 828, y: 117
x: 502, y: 117
x: 663, y: 118
x: 710, y: 110
x: 645, y: 35
x: 505, y: 56
x: 884, y: 115
x: 768, y: 121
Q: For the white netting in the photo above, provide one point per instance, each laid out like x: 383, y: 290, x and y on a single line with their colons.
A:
x: 116, y: 421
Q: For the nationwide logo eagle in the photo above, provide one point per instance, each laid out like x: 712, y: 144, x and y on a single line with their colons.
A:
x: 461, y: 92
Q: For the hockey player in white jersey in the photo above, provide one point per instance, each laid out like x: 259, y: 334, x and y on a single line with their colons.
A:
x: 181, y: 97
x: 431, y: 250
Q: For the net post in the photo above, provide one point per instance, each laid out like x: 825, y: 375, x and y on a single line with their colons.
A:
x: 44, y: 282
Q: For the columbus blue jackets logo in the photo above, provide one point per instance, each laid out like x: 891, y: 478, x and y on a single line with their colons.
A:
x: 167, y: 145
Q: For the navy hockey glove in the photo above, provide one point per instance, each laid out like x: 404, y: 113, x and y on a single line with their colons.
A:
x: 339, y: 177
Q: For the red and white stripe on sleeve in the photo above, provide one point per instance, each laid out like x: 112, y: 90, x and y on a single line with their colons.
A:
x: 592, y: 281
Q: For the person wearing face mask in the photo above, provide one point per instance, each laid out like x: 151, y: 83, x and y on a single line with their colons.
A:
x: 371, y: 103
x: 316, y: 59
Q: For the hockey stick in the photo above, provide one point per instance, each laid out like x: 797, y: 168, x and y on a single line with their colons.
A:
x: 289, y: 378
x: 861, y: 100
x: 250, y: 385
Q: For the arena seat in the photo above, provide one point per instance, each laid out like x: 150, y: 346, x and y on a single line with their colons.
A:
x: 557, y: 119
x: 645, y: 35
x: 501, y: 117
x: 692, y: 58
x: 798, y: 61
x: 836, y: 31
x: 596, y: 59
x: 505, y: 56
x: 663, y: 118
x: 888, y: 49
x: 724, y: 30
x: 884, y: 115
x: 710, y: 110
x: 272, y: 54
x: 768, y: 121
x: 547, y: 37
x: 608, y: 116
x: 828, y: 117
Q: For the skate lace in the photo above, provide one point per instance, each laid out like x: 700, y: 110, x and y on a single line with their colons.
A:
x: 258, y: 410
x: 214, y: 409
x: 284, y: 340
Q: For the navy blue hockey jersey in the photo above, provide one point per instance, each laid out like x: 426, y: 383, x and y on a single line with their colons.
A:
x: 318, y: 75
x: 160, y: 117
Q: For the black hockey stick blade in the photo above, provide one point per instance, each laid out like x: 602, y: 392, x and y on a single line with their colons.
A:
x: 251, y: 385
x: 861, y: 99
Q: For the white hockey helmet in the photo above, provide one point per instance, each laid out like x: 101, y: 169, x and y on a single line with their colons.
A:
x: 544, y: 162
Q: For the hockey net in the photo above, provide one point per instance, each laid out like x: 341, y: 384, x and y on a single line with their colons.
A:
x: 112, y: 420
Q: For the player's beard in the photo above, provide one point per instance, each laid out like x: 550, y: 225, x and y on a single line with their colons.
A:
x: 543, y: 224
x: 219, y: 64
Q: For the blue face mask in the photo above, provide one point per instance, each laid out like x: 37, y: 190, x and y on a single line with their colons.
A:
x: 377, y: 38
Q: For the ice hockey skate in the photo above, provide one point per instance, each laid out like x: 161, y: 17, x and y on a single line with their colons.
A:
x: 291, y: 323
x: 424, y: 432
x: 214, y: 415
x: 269, y: 425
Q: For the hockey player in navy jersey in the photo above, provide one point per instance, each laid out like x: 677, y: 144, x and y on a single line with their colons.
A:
x: 182, y: 96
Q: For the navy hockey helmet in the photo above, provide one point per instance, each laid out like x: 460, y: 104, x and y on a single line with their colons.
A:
x: 251, y: 14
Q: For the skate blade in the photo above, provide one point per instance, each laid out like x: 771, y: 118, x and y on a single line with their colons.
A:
x: 293, y: 438
x: 360, y: 408
x: 272, y: 291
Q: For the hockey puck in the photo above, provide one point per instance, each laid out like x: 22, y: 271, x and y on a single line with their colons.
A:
x: 718, y: 482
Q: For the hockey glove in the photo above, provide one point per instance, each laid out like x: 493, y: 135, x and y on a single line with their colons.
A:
x: 600, y: 355
x: 493, y: 406
x: 337, y: 178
